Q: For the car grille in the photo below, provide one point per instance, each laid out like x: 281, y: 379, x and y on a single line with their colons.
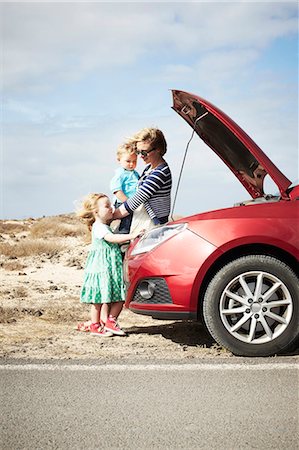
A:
x: 161, y: 292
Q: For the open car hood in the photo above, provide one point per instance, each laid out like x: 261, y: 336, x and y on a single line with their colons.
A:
x: 239, y: 152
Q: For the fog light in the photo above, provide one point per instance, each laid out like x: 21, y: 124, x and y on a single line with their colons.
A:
x: 147, y: 289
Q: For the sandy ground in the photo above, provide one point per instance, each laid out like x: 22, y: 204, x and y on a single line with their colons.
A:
x: 40, y: 308
x: 41, y: 269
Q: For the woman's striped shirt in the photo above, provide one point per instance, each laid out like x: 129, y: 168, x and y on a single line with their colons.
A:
x: 154, y: 192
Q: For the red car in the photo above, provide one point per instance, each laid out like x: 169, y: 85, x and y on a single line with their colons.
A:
x: 235, y: 269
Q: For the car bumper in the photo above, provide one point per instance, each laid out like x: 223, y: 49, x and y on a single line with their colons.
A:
x: 164, y: 282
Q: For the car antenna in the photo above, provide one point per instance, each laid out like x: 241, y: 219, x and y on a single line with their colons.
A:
x: 183, y: 163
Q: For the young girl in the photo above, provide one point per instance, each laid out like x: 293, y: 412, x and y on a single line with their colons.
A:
x: 103, y: 285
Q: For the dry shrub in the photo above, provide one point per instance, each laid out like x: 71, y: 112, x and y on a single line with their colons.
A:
x: 51, y: 314
x: 63, y: 315
x: 20, y: 292
x: 11, y: 227
x: 58, y: 226
x: 75, y: 262
x: 31, y: 247
x: 70, y: 311
x: 13, y: 265
x: 11, y: 315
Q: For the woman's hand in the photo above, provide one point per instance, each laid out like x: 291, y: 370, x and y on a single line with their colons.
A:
x: 120, y: 212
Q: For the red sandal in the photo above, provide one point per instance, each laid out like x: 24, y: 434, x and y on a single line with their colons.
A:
x: 83, y: 326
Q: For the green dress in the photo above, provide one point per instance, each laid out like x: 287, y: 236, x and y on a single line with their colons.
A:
x: 103, y: 276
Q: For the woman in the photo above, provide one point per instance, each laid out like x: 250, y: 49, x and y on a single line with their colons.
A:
x: 151, y: 203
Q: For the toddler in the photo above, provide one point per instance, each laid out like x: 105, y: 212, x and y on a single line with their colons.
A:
x: 125, y: 181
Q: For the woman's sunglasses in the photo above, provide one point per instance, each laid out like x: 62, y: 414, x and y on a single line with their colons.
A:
x: 144, y: 152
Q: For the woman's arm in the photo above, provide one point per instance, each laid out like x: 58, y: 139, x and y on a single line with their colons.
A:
x: 120, y: 212
x: 153, y: 183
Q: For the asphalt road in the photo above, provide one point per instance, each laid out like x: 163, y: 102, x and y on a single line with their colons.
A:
x: 235, y: 404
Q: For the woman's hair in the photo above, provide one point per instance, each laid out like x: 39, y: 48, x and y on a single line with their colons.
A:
x: 152, y: 135
x: 125, y: 148
x: 88, y: 207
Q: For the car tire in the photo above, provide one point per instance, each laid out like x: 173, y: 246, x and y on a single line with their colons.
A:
x: 251, y: 306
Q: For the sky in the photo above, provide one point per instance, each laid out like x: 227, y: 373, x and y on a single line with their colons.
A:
x: 78, y: 78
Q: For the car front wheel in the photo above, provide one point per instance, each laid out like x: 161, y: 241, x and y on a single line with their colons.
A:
x: 251, y: 306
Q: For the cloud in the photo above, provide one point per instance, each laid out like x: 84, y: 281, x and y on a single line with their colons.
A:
x: 51, y: 41
x: 80, y: 77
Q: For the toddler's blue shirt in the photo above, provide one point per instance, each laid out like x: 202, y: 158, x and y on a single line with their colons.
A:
x: 125, y: 180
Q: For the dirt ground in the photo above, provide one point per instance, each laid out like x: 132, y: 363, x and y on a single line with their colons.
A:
x: 41, y: 268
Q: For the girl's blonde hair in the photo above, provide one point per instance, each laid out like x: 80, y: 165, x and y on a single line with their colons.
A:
x: 88, y: 208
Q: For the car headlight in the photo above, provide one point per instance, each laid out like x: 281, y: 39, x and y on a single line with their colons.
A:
x: 156, y: 236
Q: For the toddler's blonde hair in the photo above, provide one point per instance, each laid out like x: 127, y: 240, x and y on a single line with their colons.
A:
x: 88, y: 208
x: 125, y: 148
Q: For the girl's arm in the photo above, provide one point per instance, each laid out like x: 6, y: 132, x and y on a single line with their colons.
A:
x: 121, y: 238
